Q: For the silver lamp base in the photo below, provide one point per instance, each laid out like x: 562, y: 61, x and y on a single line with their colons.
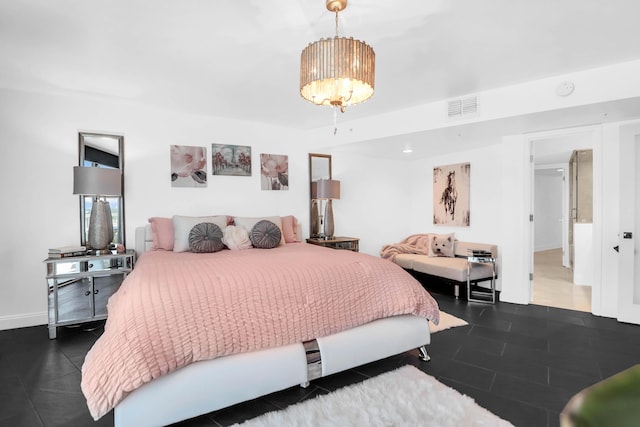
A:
x: 315, y: 219
x: 100, y: 226
x: 328, y: 220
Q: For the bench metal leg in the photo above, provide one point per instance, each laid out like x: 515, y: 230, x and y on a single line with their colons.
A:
x: 424, y: 356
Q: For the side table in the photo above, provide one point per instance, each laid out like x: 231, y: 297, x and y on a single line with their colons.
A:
x: 347, y: 243
x: 477, y: 293
x: 79, y: 287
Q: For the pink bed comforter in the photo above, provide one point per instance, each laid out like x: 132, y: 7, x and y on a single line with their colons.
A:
x: 178, y: 308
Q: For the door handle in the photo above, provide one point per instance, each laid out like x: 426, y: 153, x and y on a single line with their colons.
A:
x: 627, y: 235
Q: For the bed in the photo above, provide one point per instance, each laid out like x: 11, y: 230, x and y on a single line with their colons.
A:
x: 194, y: 365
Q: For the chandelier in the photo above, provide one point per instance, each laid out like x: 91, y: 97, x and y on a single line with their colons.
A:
x: 337, y: 71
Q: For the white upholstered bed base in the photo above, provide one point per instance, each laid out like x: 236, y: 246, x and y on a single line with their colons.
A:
x: 210, y: 385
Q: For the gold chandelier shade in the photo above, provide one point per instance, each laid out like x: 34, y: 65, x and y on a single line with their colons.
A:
x: 337, y: 71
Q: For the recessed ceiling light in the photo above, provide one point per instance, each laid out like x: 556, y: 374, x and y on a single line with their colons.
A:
x: 407, y: 150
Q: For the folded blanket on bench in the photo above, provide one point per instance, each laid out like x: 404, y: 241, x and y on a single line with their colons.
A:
x: 414, y: 244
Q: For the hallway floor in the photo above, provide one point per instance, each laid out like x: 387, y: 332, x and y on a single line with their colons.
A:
x: 553, y: 284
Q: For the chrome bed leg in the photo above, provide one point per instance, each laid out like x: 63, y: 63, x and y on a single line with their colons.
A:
x: 424, y: 356
x: 314, y: 361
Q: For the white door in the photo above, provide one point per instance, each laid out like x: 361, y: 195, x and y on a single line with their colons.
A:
x: 629, y: 260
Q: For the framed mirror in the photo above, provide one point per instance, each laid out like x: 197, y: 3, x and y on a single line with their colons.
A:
x: 319, y: 168
x: 103, y: 151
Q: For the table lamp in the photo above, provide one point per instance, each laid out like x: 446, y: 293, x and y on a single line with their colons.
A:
x: 328, y: 189
x: 98, y: 182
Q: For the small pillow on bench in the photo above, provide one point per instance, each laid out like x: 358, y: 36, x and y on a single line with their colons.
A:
x: 441, y: 245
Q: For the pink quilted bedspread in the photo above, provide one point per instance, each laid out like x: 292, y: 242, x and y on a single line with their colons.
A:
x: 178, y: 308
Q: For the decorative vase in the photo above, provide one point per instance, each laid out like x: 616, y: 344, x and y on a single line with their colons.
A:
x: 100, y: 226
x: 328, y: 220
x: 315, y: 219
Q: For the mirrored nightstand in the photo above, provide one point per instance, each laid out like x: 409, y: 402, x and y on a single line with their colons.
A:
x: 79, y: 287
x: 347, y: 243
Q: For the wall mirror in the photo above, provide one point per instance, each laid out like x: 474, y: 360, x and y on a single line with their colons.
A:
x: 319, y: 168
x: 103, y: 151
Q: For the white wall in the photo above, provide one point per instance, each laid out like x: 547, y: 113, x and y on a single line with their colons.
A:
x: 485, y: 196
x: 548, y: 211
x: 607, y: 293
x: 38, y: 143
x: 593, y: 86
x: 382, y: 202
x: 375, y: 200
x: 605, y: 141
x: 514, y: 230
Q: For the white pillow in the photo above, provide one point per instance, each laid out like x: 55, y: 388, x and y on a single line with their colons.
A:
x: 182, y: 226
x: 236, y: 238
x: 248, y: 223
x: 442, y: 245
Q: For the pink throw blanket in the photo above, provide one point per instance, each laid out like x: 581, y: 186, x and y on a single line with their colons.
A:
x: 414, y: 244
x: 178, y: 308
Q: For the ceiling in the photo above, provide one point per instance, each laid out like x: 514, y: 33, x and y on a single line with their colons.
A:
x: 240, y: 59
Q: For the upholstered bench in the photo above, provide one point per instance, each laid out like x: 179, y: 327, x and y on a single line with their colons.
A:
x: 452, y: 270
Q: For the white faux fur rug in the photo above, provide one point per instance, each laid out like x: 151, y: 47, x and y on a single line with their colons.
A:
x: 404, y: 397
x: 447, y: 321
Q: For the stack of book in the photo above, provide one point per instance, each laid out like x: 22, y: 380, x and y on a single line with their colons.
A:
x: 480, y: 253
x: 67, y: 251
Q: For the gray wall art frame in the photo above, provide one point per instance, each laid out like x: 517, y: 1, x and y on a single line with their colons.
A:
x: 231, y: 160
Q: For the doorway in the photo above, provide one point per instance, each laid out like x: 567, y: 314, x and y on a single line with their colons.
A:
x: 627, y: 247
x: 556, y: 281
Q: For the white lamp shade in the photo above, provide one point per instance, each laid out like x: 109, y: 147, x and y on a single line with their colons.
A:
x: 97, y: 181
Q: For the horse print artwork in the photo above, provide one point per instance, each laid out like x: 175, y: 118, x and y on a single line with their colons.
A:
x: 451, y: 195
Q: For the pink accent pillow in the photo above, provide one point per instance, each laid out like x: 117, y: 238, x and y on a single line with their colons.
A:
x: 289, y: 225
x: 162, y: 233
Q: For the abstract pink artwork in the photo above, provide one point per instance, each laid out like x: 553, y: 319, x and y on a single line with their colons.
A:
x: 188, y: 166
x: 274, y: 170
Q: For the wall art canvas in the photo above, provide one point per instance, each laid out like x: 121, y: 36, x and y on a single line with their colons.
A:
x: 274, y: 172
x: 451, y: 195
x: 188, y: 166
x: 234, y: 160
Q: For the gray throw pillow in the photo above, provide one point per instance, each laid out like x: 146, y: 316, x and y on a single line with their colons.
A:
x: 265, y: 235
x: 205, y: 237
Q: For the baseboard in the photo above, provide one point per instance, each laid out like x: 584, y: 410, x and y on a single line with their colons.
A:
x: 23, y: 320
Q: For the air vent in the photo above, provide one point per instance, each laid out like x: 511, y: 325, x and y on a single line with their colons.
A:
x: 462, y: 107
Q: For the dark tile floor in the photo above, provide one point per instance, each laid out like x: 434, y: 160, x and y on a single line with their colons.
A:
x: 523, y: 363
